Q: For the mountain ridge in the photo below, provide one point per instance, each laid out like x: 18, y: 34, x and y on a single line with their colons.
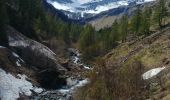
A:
x: 77, y: 10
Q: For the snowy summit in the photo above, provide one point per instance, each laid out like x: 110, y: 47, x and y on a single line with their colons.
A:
x: 90, y: 6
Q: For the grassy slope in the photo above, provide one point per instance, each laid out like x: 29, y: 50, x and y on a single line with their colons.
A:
x: 152, y: 51
x: 125, y: 64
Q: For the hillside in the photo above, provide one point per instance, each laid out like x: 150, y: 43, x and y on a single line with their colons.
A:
x: 126, y: 64
x: 46, y: 57
x: 85, y: 10
x: 107, y: 20
x: 35, y: 61
x: 30, y: 64
x: 152, y: 52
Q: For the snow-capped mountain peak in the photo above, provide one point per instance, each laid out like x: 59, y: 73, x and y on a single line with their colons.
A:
x: 84, y: 1
x: 78, y: 9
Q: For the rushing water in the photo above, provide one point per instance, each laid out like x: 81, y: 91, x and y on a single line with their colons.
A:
x: 76, y: 58
x: 66, y: 92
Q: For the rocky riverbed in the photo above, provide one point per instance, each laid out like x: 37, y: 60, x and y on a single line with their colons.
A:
x: 73, y: 82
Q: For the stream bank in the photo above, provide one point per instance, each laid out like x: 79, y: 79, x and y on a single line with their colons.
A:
x: 73, y: 82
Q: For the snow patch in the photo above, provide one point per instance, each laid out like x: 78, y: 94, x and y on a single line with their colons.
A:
x: 79, y: 84
x: 72, y: 7
x: 82, y: 83
x: 86, y: 67
x: 2, y: 47
x: 19, y: 41
x: 11, y: 87
x: 83, y: 6
x: 14, y: 54
x: 149, y: 0
x: 18, y: 63
x: 38, y: 90
x: 82, y: 1
x: 19, y: 60
x: 153, y: 72
x: 60, y: 6
x: 107, y: 7
x: 17, y: 56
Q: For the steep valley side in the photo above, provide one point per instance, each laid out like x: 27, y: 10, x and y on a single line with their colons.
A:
x: 135, y: 70
x: 57, y: 77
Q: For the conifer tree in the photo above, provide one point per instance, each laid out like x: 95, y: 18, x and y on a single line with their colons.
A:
x: 136, y: 21
x: 161, y: 13
x: 3, y: 22
x: 87, y: 37
x: 75, y: 31
x: 64, y: 33
x: 29, y: 11
x: 87, y: 42
x: 146, y: 18
x: 114, y: 35
x: 123, y: 28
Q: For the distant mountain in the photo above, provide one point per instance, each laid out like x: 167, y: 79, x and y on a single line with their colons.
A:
x: 83, y: 9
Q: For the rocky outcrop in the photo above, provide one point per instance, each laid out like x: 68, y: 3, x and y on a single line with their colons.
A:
x: 16, y: 77
x: 12, y: 63
x: 39, y: 58
x: 158, y: 86
x: 33, y: 52
x: 59, y: 77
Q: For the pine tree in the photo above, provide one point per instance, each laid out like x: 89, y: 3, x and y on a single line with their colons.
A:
x: 37, y: 25
x: 64, y: 33
x: 146, y: 17
x: 87, y: 37
x: 123, y: 28
x: 87, y: 42
x: 161, y: 13
x: 3, y: 22
x: 114, y: 35
x: 29, y: 11
x: 75, y: 31
x: 136, y: 21
x: 106, y: 42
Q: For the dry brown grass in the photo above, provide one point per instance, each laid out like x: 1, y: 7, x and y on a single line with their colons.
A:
x: 114, y: 84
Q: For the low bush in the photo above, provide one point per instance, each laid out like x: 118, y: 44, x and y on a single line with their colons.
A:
x: 123, y: 83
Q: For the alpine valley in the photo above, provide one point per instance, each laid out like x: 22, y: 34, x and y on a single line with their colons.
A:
x: 84, y: 49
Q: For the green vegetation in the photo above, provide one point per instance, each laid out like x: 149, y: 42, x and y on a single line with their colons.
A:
x: 124, y: 27
x: 114, y: 83
x: 110, y: 82
x: 161, y: 13
x: 138, y: 25
x: 137, y: 21
x: 146, y: 21
x: 115, y: 80
x: 31, y: 19
x: 86, y: 41
x: 3, y: 23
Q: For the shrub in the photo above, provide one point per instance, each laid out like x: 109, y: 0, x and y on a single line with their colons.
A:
x: 121, y: 83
